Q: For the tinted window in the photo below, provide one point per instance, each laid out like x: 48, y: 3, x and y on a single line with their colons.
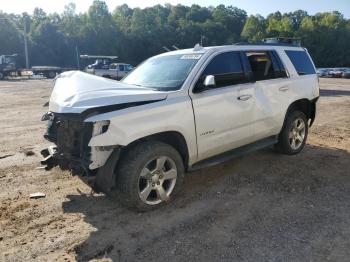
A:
x: 265, y: 65
x: 227, y: 69
x: 121, y: 67
x: 301, y: 62
x: 280, y: 70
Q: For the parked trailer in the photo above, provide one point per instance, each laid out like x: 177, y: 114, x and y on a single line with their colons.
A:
x: 8, y: 68
x: 47, y: 71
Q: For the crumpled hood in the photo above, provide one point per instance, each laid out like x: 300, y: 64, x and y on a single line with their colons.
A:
x: 75, y: 92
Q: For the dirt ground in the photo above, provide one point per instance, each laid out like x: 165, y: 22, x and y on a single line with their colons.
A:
x: 261, y: 207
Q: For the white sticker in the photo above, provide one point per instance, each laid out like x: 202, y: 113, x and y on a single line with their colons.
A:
x: 192, y: 56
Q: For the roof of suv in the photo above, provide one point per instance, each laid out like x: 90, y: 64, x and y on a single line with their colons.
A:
x: 201, y: 50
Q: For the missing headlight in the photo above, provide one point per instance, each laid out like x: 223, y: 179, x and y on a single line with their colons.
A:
x: 100, y: 127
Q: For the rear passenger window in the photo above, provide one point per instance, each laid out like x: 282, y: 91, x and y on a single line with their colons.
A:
x: 301, y: 62
x: 265, y: 65
x: 280, y: 70
x: 227, y: 69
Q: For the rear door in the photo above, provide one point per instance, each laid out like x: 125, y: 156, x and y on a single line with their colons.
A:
x: 272, y: 91
x: 224, y: 113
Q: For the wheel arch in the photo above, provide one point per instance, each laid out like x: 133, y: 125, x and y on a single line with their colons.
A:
x: 172, y: 138
x: 308, y: 107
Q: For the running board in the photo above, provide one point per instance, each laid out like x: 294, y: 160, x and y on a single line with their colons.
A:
x: 237, y: 152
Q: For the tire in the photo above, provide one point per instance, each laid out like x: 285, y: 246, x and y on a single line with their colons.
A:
x: 51, y: 74
x: 142, y: 190
x: 2, y: 76
x: 294, y: 133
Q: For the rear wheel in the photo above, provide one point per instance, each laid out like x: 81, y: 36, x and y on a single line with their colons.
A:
x: 149, y: 175
x: 294, y: 133
x: 2, y: 76
x: 51, y: 74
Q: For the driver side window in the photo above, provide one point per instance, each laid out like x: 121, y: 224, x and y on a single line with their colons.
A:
x: 226, y: 68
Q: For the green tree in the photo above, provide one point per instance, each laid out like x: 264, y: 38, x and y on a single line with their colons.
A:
x: 254, y: 29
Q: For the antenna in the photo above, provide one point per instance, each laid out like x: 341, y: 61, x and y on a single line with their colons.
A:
x: 166, y: 49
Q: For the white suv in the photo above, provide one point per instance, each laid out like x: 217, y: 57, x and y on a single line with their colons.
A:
x: 177, y: 112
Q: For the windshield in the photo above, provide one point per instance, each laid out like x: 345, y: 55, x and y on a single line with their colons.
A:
x: 164, y: 73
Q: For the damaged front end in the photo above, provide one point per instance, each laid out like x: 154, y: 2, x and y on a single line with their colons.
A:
x: 76, y: 97
x: 71, y: 136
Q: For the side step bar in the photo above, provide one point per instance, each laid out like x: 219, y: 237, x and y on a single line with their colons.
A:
x: 237, y: 152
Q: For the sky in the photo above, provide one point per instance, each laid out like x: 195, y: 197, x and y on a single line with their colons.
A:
x: 263, y: 7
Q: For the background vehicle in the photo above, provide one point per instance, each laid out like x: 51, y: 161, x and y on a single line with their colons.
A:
x: 323, y: 72
x: 346, y: 73
x: 104, y: 67
x: 8, y: 67
x: 337, y: 72
x: 48, y: 71
x: 181, y: 111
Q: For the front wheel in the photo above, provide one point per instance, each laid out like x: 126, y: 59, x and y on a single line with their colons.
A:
x: 149, y: 174
x: 294, y: 133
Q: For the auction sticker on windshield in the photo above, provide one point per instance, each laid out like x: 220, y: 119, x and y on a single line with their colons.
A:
x: 192, y: 56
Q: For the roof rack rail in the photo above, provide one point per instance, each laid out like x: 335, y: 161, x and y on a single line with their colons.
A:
x: 276, y: 41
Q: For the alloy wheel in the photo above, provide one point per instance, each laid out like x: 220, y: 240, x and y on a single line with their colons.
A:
x: 297, y: 133
x: 157, y: 180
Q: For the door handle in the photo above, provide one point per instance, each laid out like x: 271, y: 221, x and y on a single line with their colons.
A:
x: 244, y: 97
x: 284, y: 88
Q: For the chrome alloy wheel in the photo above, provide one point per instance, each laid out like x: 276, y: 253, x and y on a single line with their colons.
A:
x: 157, y: 180
x: 297, y: 133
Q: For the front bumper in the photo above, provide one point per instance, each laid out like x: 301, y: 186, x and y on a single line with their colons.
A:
x: 71, y: 136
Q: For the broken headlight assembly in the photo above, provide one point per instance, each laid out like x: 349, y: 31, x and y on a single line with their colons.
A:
x: 100, y: 127
x: 47, y: 116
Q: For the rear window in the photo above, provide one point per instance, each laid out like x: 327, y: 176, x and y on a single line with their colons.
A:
x: 301, y: 62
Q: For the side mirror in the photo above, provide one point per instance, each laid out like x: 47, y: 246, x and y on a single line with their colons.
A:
x: 209, y: 81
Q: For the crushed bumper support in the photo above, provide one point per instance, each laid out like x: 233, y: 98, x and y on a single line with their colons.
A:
x: 52, y: 158
x: 105, y: 179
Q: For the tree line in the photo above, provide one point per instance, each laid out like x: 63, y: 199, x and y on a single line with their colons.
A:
x: 134, y: 34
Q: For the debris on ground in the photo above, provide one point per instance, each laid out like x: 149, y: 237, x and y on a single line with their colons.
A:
x: 37, y: 195
x: 27, y: 151
x: 5, y: 156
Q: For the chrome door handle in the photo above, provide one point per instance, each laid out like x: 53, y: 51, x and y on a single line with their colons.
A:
x: 284, y: 88
x: 244, y: 97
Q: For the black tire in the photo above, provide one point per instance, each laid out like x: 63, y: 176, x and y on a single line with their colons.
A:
x: 285, y: 145
x: 2, y: 76
x: 129, y: 168
x: 51, y: 74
